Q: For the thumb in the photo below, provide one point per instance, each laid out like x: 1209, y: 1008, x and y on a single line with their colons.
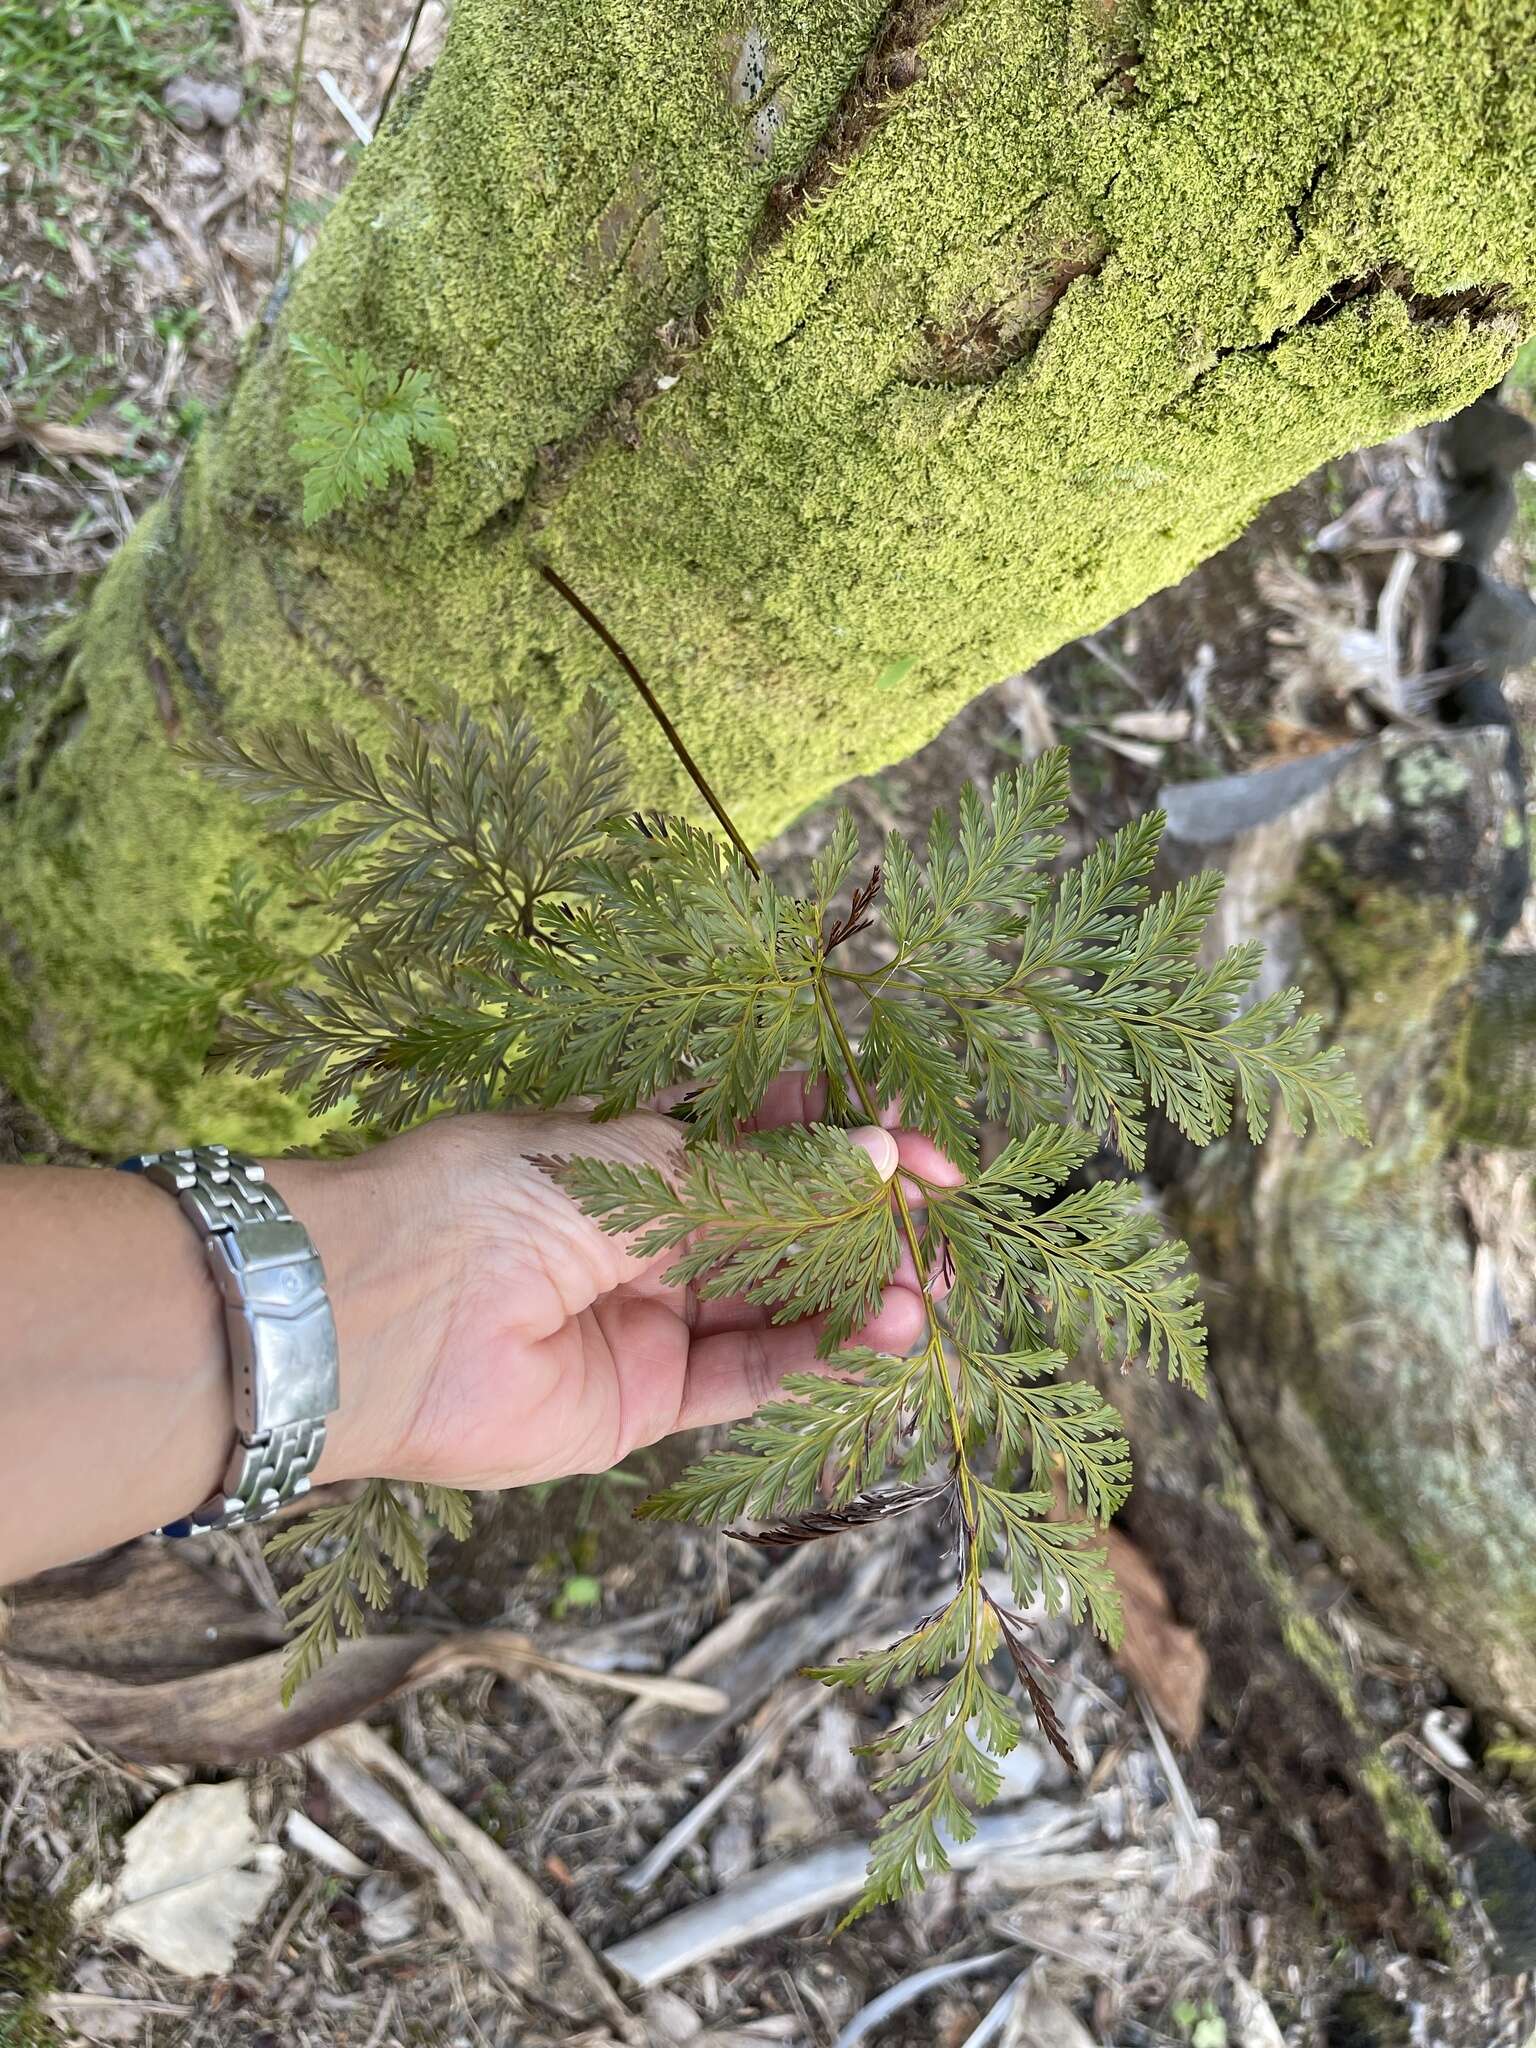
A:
x: 880, y: 1146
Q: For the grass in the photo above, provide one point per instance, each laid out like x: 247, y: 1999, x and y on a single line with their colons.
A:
x: 80, y: 74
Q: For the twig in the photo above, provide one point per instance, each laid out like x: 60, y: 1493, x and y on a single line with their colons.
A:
x: 908, y: 1991
x: 311, y: 1840
x: 779, y: 1725
x: 400, y: 64
x: 309, y: 1891
x: 330, y: 86
x: 1389, y: 610
x: 295, y: 85
x: 498, y: 1909
x: 807, y: 1886
x: 1115, y: 665
x: 991, y: 2026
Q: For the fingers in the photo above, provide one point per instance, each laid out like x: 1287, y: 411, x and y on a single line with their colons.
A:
x: 734, y: 1371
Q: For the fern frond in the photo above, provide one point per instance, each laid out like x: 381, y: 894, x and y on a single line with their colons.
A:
x: 360, y: 425
x: 508, y: 937
x: 366, y: 1546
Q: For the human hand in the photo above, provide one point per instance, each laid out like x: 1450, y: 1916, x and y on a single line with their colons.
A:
x: 492, y: 1335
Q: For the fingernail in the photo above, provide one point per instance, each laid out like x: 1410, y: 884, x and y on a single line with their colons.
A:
x: 880, y: 1146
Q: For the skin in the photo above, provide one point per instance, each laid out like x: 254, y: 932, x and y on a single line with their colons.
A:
x: 490, y: 1334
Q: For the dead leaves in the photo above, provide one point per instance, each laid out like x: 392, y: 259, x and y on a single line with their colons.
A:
x: 193, y: 1879
x: 1157, y: 1652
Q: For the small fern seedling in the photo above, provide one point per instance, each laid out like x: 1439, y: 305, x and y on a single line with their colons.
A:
x: 511, y: 939
x: 360, y: 425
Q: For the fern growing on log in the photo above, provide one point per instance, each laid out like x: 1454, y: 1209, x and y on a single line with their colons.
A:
x: 359, y: 425
x: 511, y: 938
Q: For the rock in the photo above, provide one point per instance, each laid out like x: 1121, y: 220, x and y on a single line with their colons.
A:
x: 197, y: 163
x: 222, y: 104
x: 1492, y: 622
x: 1487, y: 439
x: 1482, y: 512
x: 157, y: 261
x: 183, y: 102
x: 789, y: 1816
x: 193, y: 103
x: 670, y: 2021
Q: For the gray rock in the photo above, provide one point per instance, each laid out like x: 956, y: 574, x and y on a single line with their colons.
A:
x: 1505, y: 1874
x: 193, y: 102
x: 182, y: 100
x: 222, y: 104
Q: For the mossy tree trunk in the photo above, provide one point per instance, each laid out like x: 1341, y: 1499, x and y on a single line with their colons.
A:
x: 800, y: 339
x: 1495, y: 1080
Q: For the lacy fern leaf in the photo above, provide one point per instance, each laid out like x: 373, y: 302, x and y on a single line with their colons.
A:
x: 365, y: 1547
x: 360, y: 425
x: 508, y: 941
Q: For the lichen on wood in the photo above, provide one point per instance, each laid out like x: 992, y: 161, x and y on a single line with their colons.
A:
x: 1342, y: 1332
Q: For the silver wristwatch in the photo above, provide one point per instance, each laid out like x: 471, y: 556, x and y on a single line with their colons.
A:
x: 282, y: 1335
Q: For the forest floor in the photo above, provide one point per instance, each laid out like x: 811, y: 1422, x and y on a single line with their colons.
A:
x: 1141, y: 1904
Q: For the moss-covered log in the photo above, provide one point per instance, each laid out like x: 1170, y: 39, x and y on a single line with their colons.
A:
x: 803, y: 340
x: 1339, y: 1279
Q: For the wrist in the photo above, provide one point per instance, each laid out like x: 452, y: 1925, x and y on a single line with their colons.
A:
x: 374, y: 1245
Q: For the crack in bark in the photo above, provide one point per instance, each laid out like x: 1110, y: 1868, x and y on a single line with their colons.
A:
x: 979, y: 350
x: 317, y: 638
x: 1479, y: 304
x: 891, y: 67
x: 166, y: 576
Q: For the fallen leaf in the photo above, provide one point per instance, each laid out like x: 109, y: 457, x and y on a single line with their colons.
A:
x: 1162, y: 1656
x: 194, y: 1878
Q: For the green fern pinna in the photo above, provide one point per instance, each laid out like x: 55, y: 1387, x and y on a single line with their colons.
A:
x: 511, y: 937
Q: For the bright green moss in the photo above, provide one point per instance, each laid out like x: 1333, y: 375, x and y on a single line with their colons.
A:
x: 803, y: 505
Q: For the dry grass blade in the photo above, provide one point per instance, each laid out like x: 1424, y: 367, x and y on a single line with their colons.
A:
x: 862, y: 1513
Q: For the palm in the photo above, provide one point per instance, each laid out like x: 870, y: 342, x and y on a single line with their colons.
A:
x: 561, y: 1351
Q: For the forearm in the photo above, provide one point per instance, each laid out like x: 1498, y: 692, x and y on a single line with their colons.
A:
x: 116, y: 1411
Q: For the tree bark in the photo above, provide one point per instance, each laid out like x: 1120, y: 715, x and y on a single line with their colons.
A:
x: 1334, y: 1820
x: 1495, y: 1083
x: 1339, y: 1278
x: 943, y: 331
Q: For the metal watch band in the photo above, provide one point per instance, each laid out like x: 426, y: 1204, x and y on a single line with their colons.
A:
x: 282, y: 1335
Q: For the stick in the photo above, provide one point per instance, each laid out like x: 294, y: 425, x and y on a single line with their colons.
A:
x: 807, y: 1886
x: 784, y: 1718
